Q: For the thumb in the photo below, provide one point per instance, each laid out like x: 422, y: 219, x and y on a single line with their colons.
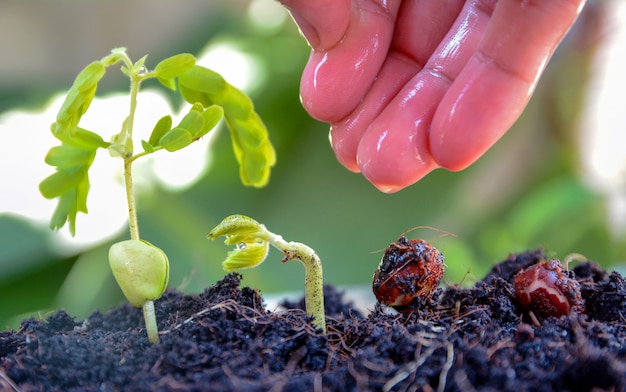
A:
x: 322, y: 22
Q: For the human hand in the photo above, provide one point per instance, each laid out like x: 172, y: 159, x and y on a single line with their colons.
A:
x: 416, y: 85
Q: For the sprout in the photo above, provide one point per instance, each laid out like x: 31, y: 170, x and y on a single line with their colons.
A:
x: 252, y: 240
x: 140, y: 268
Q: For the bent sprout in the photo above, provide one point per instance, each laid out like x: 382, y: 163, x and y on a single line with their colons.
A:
x: 252, y: 240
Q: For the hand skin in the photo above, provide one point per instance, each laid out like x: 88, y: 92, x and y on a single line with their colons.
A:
x: 411, y: 86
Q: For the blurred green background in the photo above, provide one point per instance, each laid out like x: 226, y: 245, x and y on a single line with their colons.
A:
x: 525, y: 193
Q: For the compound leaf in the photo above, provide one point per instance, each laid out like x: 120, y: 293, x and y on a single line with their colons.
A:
x: 253, y: 150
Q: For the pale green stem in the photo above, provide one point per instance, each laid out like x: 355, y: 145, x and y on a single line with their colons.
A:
x: 130, y: 198
x: 128, y: 160
x: 135, y: 80
x: 151, y: 325
x: 133, y: 224
x: 313, y: 276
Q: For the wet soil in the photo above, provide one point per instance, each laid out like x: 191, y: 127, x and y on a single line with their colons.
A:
x: 461, y: 339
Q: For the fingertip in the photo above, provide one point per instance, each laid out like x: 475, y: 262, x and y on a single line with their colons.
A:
x: 344, y: 146
x: 480, y: 106
x: 394, y: 157
x: 394, y: 151
x: 334, y: 81
x: 494, y: 87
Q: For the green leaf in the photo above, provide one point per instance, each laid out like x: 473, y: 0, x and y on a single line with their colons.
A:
x: 199, y: 83
x: 169, y: 83
x: 88, y: 139
x: 112, y: 58
x: 65, y: 210
x: 255, y: 170
x: 253, y: 150
x: 235, y: 102
x: 116, y: 55
x: 172, y: 67
x: 73, y: 158
x: 212, y: 116
x: 175, y: 139
x: 79, y: 137
x: 147, y: 147
x: 193, y: 121
x: 249, y: 238
x: 246, y: 255
x: 76, y: 104
x: 235, y: 225
x: 197, y: 106
x: 71, y: 187
x: 89, y: 76
x: 250, y: 131
x: 163, y: 125
x: 70, y: 183
x: 191, y: 96
x: 63, y: 131
x: 82, y: 190
x: 79, y: 97
x: 65, y: 156
x: 60, y: 182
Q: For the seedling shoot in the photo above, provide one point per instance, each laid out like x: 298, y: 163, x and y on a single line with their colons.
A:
x: 140, y: 268
x: 252, y: 241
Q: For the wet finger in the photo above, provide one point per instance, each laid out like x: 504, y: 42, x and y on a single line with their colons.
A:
x: 495, y: 86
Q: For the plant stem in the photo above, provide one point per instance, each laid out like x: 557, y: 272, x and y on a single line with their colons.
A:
x: 313, y: 276
x: 130, y: 198
x: 133, y: 224
x: 151, y: 326
x: 135, y: 80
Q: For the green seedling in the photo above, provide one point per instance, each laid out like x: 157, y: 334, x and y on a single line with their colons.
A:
x: 140, y: 268
x: 252, y: 241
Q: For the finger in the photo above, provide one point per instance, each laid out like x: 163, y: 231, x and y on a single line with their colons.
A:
x: 495, y: 86
x: 322, y: 22
x: 422, y: 25
x: 334, y: 81
x: 346, y: 134
x: 394, y: 162
x: 393, y: 153
x: 420, y: 28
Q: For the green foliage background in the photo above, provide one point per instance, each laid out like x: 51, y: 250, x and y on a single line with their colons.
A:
x: 525, y: 193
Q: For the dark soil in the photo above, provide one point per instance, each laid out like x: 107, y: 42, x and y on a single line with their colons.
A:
x: 224, y: 339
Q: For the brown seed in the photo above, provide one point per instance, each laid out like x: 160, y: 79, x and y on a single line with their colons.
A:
x: 546, y: 290
x: 408, y: 269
